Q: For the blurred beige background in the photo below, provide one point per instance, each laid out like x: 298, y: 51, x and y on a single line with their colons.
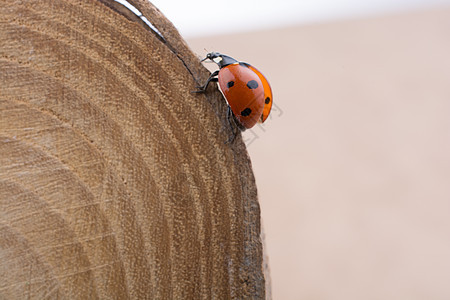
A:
x: 353, y: 169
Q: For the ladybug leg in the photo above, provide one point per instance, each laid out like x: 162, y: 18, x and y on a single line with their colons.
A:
x: 212, y: 78
x: 233, y: 128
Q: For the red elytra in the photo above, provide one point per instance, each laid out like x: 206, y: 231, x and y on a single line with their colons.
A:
x: 245, y: 88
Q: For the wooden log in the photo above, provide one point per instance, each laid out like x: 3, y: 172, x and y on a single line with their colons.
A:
x: 116, y: 181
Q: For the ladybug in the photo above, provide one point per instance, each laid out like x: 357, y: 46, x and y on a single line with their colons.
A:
x: 246, y: 90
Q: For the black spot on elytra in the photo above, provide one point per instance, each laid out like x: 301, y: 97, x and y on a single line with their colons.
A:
x: 230, y: 84
x: 267, y: 101
x: 246, y: 112
x: 252, y: 84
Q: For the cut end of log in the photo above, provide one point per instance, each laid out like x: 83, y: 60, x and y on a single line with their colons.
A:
x: 115, y: 181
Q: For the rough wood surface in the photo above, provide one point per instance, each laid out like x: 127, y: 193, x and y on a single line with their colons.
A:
x: 115, y: 181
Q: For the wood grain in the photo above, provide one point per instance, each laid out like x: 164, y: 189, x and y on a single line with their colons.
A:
x: 115, y: 181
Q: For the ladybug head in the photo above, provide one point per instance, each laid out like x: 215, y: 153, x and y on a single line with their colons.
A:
x: 220, y: 59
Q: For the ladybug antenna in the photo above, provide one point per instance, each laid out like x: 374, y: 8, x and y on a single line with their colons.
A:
x: 210, y: 56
